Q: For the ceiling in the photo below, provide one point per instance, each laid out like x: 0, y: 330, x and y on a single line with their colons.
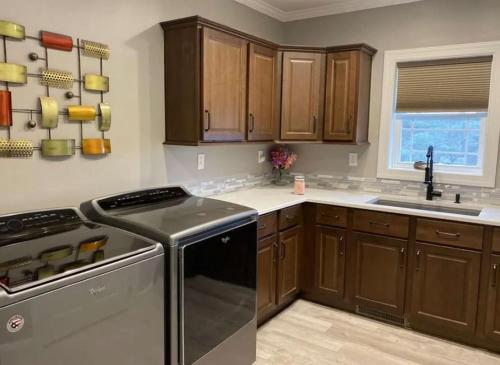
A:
x: 289, y: 10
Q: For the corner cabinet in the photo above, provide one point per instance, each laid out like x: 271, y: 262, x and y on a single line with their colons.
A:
x: 347, y: 102
x: 302, y: 96
x: 223, y: 85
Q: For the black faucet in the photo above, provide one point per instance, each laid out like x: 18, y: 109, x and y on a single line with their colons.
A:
x: 429, y: 173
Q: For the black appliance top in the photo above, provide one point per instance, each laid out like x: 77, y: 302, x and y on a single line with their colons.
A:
x: 165, y: 214
x: 42, y: 246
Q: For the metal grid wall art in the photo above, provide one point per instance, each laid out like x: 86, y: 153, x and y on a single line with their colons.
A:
x: 48, y: 106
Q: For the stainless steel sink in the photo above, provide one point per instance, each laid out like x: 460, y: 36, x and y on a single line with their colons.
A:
x: 434, y: 208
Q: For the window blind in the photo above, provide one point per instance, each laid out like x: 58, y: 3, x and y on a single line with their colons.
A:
x: 451, y: 85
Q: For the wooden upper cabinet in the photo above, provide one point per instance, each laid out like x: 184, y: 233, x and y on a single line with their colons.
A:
x: 262, y: 86
x: 224, y: 86
x: 348, y: 94
x: 445, y: 290
x: 302, y: 96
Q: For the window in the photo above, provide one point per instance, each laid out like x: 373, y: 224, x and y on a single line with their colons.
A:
x: 447, y: 97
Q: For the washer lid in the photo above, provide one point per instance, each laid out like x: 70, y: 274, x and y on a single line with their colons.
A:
x: 165, y: 214
x: 42, y: 246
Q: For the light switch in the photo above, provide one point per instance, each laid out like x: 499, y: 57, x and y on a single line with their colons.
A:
x: 353, y: 159
x: 201, y: 161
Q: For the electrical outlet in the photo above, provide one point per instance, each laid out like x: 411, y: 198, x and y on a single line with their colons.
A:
x: 261, y: 157
x: 201, y: 161
x: 353, y: 159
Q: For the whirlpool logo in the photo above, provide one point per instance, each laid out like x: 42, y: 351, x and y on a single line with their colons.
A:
x: 15, y: 323
x: 97, y: 290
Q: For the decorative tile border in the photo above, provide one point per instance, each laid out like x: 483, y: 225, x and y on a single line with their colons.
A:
x: 333, y: 182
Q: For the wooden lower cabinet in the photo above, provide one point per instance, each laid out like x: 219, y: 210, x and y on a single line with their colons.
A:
x: 445, y: 290
x: 380, y: 273
x: 492, y: 323
x: 266, y: 276
x: 329, y: 267
x: 288, y: 266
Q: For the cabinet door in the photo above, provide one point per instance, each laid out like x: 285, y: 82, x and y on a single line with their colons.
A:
x: 224, y: 86
x: 445, y: 289
x: 288, y: 267
x: 380, y: 272
x: 330, y: 261
x: 341, y: 91
x: 302, y: 96
x: 492, y: 325
x: 266, y: 276
x: 262, y: 93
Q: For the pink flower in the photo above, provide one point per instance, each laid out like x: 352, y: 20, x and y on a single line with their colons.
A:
x: 282, y: 158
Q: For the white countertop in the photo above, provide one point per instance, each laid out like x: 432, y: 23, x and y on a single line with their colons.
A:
x: 271, y: 198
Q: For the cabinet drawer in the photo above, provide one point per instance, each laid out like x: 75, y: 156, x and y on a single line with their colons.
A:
x: 450, y: 233
x: 495, y: 247
x: 268, y: 224
x: 381, y: 223
x: 331, y: 216
x: 290, y: 217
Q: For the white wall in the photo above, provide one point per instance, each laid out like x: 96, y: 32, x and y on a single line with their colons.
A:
x: 135, y: 68
x: 418, y: 24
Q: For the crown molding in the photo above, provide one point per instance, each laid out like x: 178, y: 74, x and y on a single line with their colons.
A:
x: 337, y: 7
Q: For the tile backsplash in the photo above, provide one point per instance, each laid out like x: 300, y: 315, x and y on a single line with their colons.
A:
x: 469, y: 194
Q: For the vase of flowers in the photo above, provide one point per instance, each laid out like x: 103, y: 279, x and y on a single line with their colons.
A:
x: 282, y: 159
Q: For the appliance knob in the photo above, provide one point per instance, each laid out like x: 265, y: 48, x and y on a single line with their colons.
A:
x: 15, y: 225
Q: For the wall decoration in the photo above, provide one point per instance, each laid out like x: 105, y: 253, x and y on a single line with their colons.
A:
x: 5, y: 108
x: 57, y: 41
x: 96, y: 146
x: 11, y: 30
x: 105, y: 120
x: 57, y: 79
x: 50, y: 112
x: 96, y: 83
x: 49, y: 107
x: 84, y: 113
x: 16, y: 148
x: 95, y: 49
x: 14, y: 73
x: 58, y: 147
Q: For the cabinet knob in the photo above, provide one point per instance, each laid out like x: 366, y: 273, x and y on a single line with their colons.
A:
x: 494, y: 277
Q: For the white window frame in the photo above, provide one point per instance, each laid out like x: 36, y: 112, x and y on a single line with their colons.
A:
x: 386, y: 137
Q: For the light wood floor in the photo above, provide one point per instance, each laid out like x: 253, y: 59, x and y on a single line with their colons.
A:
x: 310, y: 334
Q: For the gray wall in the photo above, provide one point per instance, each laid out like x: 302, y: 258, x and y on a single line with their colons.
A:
x: 420, y: 24
x: 135, y: 68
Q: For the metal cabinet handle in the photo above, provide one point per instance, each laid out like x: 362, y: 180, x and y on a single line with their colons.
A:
x: 349, y: 122
x: 252, y: 123
x: 494, y: 278
x: 402, y: 252
x: 417, y: 263
x: 283, y: 250
x: 207, y: 113
x: 385, y: 225
x: 447, y: 234
x: 275, y: 250
x: 342, y: 246
x: 260, y: 228
x: 289, y: 217
x: 315, y: 122
x: 336, y: 217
